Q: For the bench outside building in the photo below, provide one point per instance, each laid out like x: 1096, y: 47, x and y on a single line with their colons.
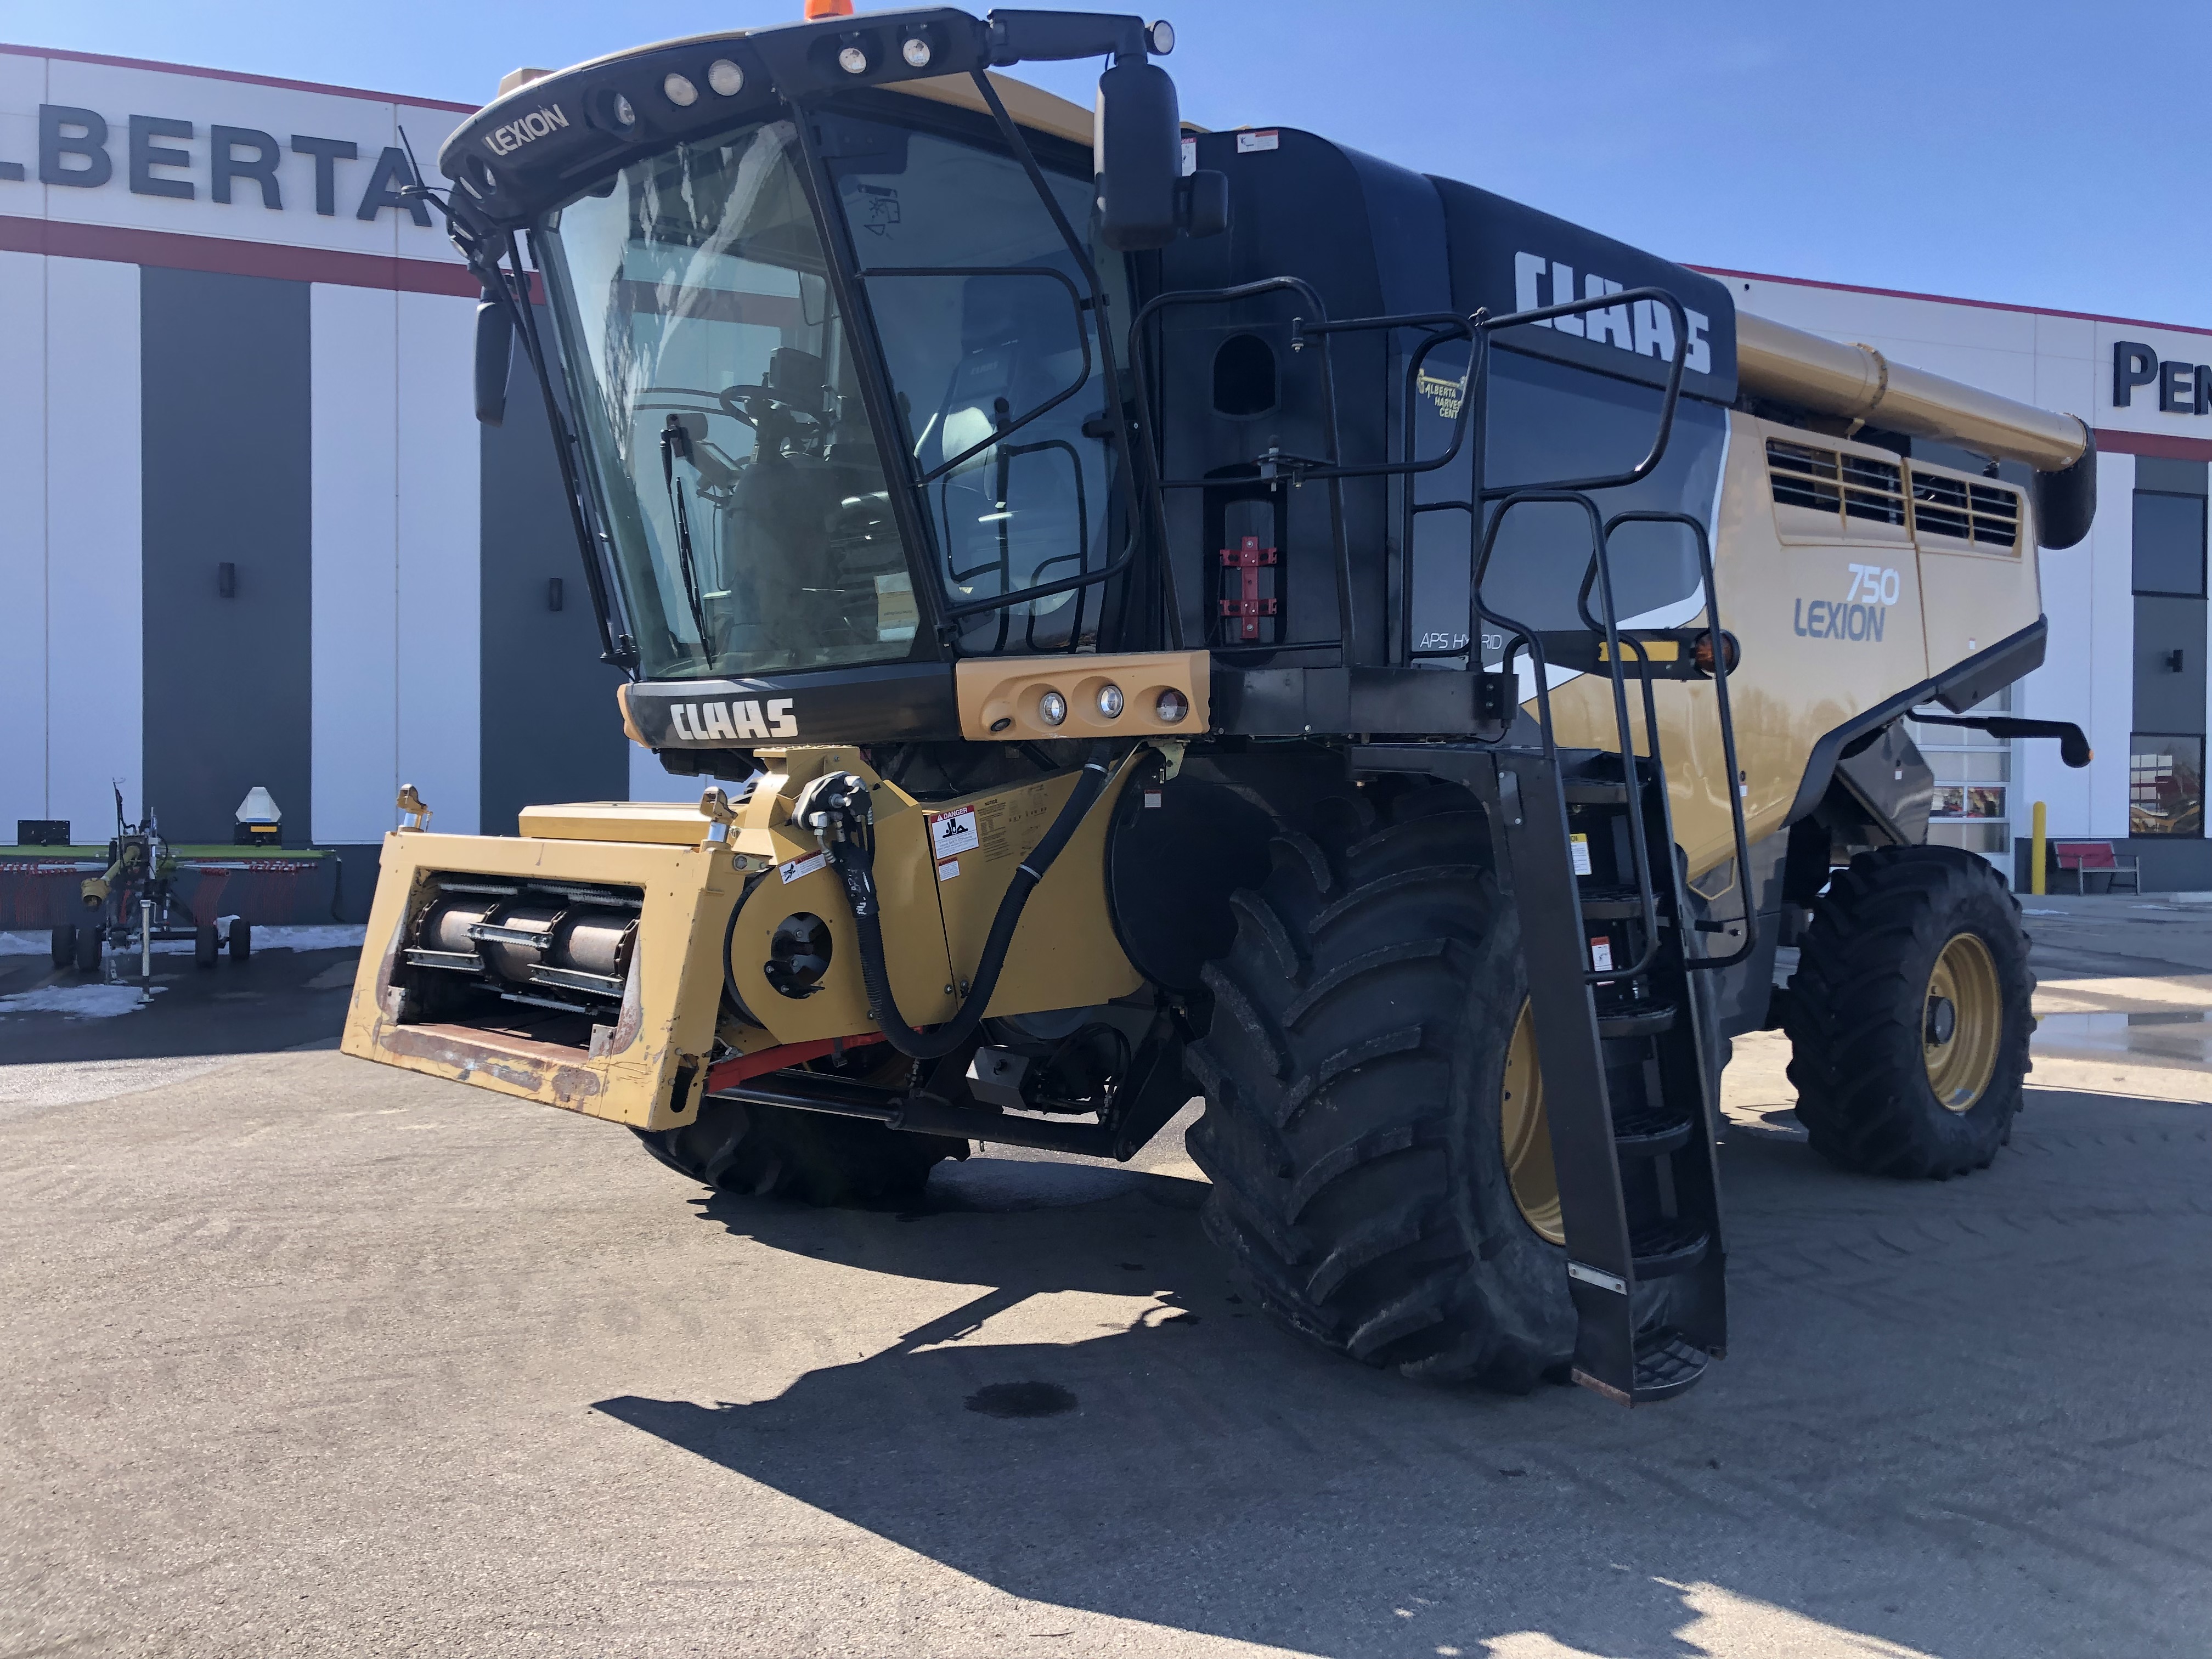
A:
x: 2084, y: 859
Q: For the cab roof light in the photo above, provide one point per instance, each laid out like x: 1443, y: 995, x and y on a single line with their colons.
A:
x: 818, y: 9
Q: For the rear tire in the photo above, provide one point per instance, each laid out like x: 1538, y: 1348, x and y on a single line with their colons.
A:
x: 63, y: 943
x: 772, y: 1152
x: 88, y: 943
x: 1354, y: 1074
x: 205, y: 945
x: 241, y: 939
x: 1877, y: 1092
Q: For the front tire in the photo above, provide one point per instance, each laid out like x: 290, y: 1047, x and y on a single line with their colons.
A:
x: 1363, y: 1153
x: 772, y: 1152
x: 1910, y: 1014
x: 88, y: 944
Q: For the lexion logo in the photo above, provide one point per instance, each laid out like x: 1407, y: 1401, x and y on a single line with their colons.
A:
x: 524, y: 128
x: 1861, y: 614
x: 736, y: 721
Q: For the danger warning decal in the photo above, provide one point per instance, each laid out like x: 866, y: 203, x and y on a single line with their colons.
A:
x: 951, y: 834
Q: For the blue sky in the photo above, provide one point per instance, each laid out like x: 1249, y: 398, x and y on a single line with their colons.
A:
x: 2042, y: 154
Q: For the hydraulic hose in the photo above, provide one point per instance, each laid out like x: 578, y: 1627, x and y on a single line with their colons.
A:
x: 837, y: 808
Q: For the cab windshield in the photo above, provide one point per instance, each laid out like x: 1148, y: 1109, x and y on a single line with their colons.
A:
x: 744, y: 493
x: 723, y: 427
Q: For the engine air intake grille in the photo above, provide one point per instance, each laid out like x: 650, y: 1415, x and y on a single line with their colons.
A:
x: 1829, y: 480
x: 1988, y: 514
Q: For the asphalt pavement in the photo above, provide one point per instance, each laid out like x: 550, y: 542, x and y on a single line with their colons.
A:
x: 301, y: 1355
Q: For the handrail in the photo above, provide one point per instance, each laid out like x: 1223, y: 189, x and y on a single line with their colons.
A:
x: 1136, y: 495
x: 1159, y: 302
x: 1052, y: 402
x: 1485, y: 326
x: 1723, y: 707
x: 1638, y: 848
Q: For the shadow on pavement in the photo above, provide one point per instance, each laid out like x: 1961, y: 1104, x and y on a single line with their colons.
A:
x: 1897, y: 1449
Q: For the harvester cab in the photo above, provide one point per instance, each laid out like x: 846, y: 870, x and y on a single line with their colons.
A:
x: 1214, y: 611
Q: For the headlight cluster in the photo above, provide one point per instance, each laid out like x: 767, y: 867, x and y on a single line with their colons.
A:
x: 1169, y: 707
x: 725, y: 79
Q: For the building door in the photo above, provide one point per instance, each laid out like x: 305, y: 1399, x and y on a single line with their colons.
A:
x: 224, y: 415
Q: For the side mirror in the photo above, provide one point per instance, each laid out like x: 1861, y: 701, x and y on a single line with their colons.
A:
x: 494, y: 352
x: 1137, y: 154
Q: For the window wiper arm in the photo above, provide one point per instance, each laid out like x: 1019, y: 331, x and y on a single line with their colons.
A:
x: 675, y: 442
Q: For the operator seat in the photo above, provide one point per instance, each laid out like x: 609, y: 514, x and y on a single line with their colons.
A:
x: 775, y: 518
x: 1009, y: 506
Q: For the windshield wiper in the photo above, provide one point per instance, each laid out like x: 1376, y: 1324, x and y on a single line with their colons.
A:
x: 676, y: 442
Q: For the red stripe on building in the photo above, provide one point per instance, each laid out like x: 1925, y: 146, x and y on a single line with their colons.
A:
x: 176, y: 251
x: 1947, y: 300
x: 2167, y: 447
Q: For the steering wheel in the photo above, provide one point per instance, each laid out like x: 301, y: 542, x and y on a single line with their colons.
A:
x: 733, y: 396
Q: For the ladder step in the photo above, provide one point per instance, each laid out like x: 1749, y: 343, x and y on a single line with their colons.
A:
x: 1587, y: 791
x: 1647, y: 1019
x: 1613, y: 904
x: 1661, y: 1247
x: 1667, y: 1362
x: 1650, y: 1134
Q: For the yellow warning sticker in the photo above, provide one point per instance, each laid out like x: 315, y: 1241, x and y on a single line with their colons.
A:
x: 1581, y: 845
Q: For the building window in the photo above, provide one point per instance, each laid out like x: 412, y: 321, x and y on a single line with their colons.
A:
x: 2166, y: 785
x: 2169, y: 545
x: 1972, y: 806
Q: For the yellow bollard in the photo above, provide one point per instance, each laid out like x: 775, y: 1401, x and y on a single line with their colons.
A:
x: 2035, y: 876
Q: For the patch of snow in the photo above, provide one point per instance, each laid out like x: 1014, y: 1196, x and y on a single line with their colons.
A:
x: 329, y: 938
x: 78, y: 1001
x: 333, y: 937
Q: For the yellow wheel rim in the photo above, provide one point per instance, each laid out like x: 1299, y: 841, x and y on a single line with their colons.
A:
x: 1526, y: 1135
x: 1961, y: 1021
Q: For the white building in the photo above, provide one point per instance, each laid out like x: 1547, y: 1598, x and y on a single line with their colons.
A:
x: 252, y: 533
x: 250, y: 530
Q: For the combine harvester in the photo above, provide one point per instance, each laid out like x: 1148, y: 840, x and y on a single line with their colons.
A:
x: 1218, y: 612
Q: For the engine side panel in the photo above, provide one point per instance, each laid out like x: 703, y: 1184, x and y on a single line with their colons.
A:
x: 1837, y: 614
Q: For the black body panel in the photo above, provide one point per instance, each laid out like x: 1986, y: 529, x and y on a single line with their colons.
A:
x: 896, y: 703
x: 1170, y: 869
x: 1496, y: 246
x: 1293, y: 702
x: 1368, y: 239
x: 1892, y: 784
x: 545, y: 143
